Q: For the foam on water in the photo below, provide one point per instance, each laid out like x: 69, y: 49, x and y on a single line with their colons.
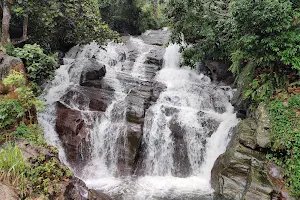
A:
x: 194, y: 101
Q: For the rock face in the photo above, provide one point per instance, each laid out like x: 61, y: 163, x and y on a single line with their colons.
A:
x: 239, y: 173
x: 96, y: 195
x: 92, y: 75
x: 8, y: 63
x: 242, y: 83
x: 94, y: 92
x: 74, y: 131
x: 220, y: 72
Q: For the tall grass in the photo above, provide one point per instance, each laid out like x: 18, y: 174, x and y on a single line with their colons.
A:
x: 13, y: 168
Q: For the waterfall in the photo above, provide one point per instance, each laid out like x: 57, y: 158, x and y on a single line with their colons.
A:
x: 162, y: 128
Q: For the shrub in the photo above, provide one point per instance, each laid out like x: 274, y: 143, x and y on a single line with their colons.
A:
x: 285, y: 120
x: 31, y: 133
x: 12, y: 110
x: 40, y: 66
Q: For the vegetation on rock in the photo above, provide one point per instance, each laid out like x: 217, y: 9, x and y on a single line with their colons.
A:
x: 264, y: 34
x: 285, y: 118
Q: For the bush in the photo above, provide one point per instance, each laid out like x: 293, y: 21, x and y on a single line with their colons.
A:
x: 40, y: 66
x: 31, y: 133
x: 20, y: 106
x: 285, y: 120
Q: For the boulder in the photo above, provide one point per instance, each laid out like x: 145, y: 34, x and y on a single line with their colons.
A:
x: 90, y: 98
x: 242, y: 82
x: 73, y: 132
x: 96, y: 195
x: 240, y: 173
x: 76, y: 190
x: 92, y: 75
x: 263, y: 133
x: 181, y: 160
x: 156, y: 57
x: 7, y: 64
x: 156, y: 37
x: 220, y: 72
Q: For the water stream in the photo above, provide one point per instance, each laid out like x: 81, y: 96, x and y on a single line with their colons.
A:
x: 182, y: 132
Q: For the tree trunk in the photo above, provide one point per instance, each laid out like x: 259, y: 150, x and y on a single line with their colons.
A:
x: 6, y: 22
x: 156, y: 9
x: 25, y: 27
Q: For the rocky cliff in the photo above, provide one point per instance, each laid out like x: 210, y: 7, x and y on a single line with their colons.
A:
x: 243, y: 172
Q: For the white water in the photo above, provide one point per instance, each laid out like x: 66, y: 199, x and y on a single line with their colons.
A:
x: 196, y: 101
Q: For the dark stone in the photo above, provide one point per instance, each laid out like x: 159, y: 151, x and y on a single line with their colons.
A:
x: 239, y: 173
x: 241, y: 114
x: 156, y: 37
x: 203, y: 69
x: 92, y: 75
x: 76, y: 190
x: 181, y: 161
x: 220, y: 72
x: 96, y: 195
x: 93, y: 98
x: 73, y: 131
x: 156, y: 57
x: 242, y: 83
x: 8, y: 63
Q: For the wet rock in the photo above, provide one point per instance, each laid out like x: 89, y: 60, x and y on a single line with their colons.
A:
x: 203, y: 69
x: 242, y: 83
x: 240, y: 173
x: 155, y: 57
x: 76, y: 190
x: 89, y: 98
x: 73, y: 131
x: 181, y: 161
x: 156, y: 37
x: 129, y: 149
x: 220, y: 72
x: 135, y: 110
x: 7, y: 193
x: 247, y: 131
x: 92, y: 75
x: 96, y: 195
x: 263, y: 136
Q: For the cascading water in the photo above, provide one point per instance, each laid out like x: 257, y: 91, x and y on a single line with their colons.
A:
x: 177, y: 135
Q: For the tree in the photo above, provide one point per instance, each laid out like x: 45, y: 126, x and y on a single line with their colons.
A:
x: 55, y: 23
x: 6, y: 7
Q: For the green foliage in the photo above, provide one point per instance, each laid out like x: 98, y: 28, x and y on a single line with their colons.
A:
x: 16, y: 79
x: 263, y: 87
x: 40, y: 66
x: 204, y: 26
x: 285, y: 119
x: 12, y: 110
x: 61, y: 24
x: 41, y: 180
x: 31, y: 133
x: 266, y: 31
x: 131, y: 16
x: 45, y: 177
